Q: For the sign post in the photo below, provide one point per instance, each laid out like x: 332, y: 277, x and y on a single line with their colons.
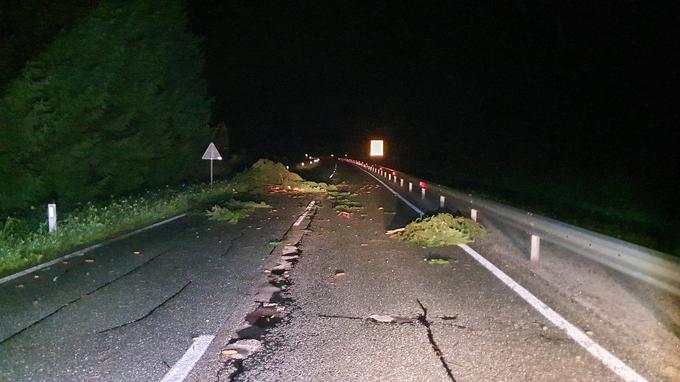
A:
x: 211, y: 154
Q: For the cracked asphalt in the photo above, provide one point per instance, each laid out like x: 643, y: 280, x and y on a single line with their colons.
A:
x: 130, y: 317
x: 480, y: 329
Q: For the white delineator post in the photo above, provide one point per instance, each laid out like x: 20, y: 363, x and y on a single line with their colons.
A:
x: 52, y: 217
x: 410, y: 186
x: 401, y: 183
x: 535, y: 247
x: 442, y: 201
x: 422, y: 193
x: 473, y: 214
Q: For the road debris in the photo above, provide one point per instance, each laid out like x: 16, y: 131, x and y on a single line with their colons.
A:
x: 241, y: 349
x: 442, y: 230
x: 437, y: 260
x: 290, y: 250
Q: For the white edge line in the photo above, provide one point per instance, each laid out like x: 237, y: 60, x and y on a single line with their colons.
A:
x: 304, y: 214
x: 84, y: 250
x: 607, y: 358
x: 181, y: 369
x: 413, y: 207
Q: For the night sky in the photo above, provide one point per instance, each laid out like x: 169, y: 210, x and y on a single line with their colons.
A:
x: 575, y: 89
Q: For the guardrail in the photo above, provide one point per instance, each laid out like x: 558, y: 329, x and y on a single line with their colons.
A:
x: 653, y: 267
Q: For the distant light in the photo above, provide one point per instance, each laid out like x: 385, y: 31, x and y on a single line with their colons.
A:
x: 422, y: 185
x: 394, y: 173
x: 332, y: 155
x: 377, y: 148
x: 303, y: 164
x: 287, y: 167
x: 306, y: 155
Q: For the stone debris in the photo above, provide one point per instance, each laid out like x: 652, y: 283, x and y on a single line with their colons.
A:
x: 381, y: 318
x: 285, y: 266
x: 265, y: 293
x: 242, y: 348
x: 290, y: 250
x: 387, y: 319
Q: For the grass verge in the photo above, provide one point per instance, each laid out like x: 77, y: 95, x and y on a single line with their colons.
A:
x: 24, y: 243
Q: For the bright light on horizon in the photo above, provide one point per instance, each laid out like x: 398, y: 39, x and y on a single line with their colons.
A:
x: 377, y: 147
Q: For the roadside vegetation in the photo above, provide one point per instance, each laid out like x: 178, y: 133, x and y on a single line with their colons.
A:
x: 107, y: 106
x: 26, y: 242
x: 442, y: 230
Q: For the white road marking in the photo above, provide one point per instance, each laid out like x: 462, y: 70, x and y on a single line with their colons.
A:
x: 182, y: 368
x: 607, y: 358
x: 413, y: 207
x: 597, y: 351
x: 304, y: 214
x: 84, y: 251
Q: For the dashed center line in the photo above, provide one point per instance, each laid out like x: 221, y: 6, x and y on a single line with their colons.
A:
x: 183, y: 367
x: 305, y: 214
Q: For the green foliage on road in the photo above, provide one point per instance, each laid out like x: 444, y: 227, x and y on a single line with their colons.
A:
x: 26, y: 242
x: 342, y: 201
x: 113, y: 105
x: 442, y: 230
x: 265, y: 172
x: 234, y: 210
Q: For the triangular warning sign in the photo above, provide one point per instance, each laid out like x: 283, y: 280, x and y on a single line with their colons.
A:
x: 211, y: 153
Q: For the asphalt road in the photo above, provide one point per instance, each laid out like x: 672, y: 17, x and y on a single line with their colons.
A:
x: 130, y: 317
x: 481, y: 328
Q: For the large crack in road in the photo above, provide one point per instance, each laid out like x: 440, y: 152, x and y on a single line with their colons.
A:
x: 148, y: 313
x: 422, y: 319
x: 89, y: 293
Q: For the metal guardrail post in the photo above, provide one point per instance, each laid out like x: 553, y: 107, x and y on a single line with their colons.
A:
x: 535, y: 247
